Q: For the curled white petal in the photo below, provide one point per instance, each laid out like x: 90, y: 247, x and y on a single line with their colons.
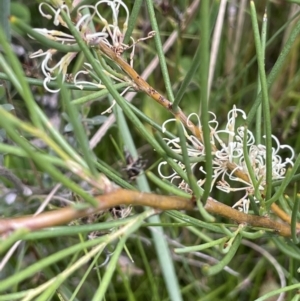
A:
x: 47, y: 16
x: 161, y: 164
x: 163, y: 127
x: 45, y: 82
x: 57, y: 18
x: 190, y: 123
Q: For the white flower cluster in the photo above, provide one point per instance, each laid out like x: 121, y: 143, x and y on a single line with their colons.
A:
x: 110, y: 34
x: 229, y: 158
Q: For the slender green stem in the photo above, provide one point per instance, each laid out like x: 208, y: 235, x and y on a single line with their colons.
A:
x: 100, y: 293
x: 12, y: 238
x: 78, y: 128
x: 34, y: 268
x: 154, y: 290
x: 150, y: 121
x: 226, y: 259
x: 135, y: 13
x: 184, y: 85
x: 19, y: 152
x: 110, y: 67
x: 96, y: 95
x: 254, y: 205
x: 14, y: 296
x: 292, y: 179
x: 253, y: 235
x: 204, y: 58
x: 42, y: 39
x: 288, y: 288
x: 294, y: 218
x: 287, y: 179
x: 276, y: 68
x: 201, y: 247
x: 160, y: 52
x: 250, y: 169
x: 166, y: 186
x: 17, y: 77
x: 258, y: 126
x: 179, y: 216
x: 131, y: 227
x: 161, y: 246
x: 84, y: 278
x: 67, y: 231
x: 289, y: 249
x: 197, y: 191
x: 265, y: 100
x: 113, y: 175
x: 4, y: 18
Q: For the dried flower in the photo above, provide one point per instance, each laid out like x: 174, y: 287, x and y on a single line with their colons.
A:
x: 230, y: 153
x: 110, y: 34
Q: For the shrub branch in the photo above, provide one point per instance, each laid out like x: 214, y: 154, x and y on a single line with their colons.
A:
x: 135, y: 198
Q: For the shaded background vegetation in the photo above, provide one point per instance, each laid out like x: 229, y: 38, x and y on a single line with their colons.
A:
x: 235, y: 82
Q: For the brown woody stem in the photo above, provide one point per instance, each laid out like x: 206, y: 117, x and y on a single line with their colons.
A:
x: 135, y: 198
x: 110, y: 200
x: 281, y: 214
x: 214, y: 207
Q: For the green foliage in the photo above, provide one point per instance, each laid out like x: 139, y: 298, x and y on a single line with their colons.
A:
x: 141, y: 253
